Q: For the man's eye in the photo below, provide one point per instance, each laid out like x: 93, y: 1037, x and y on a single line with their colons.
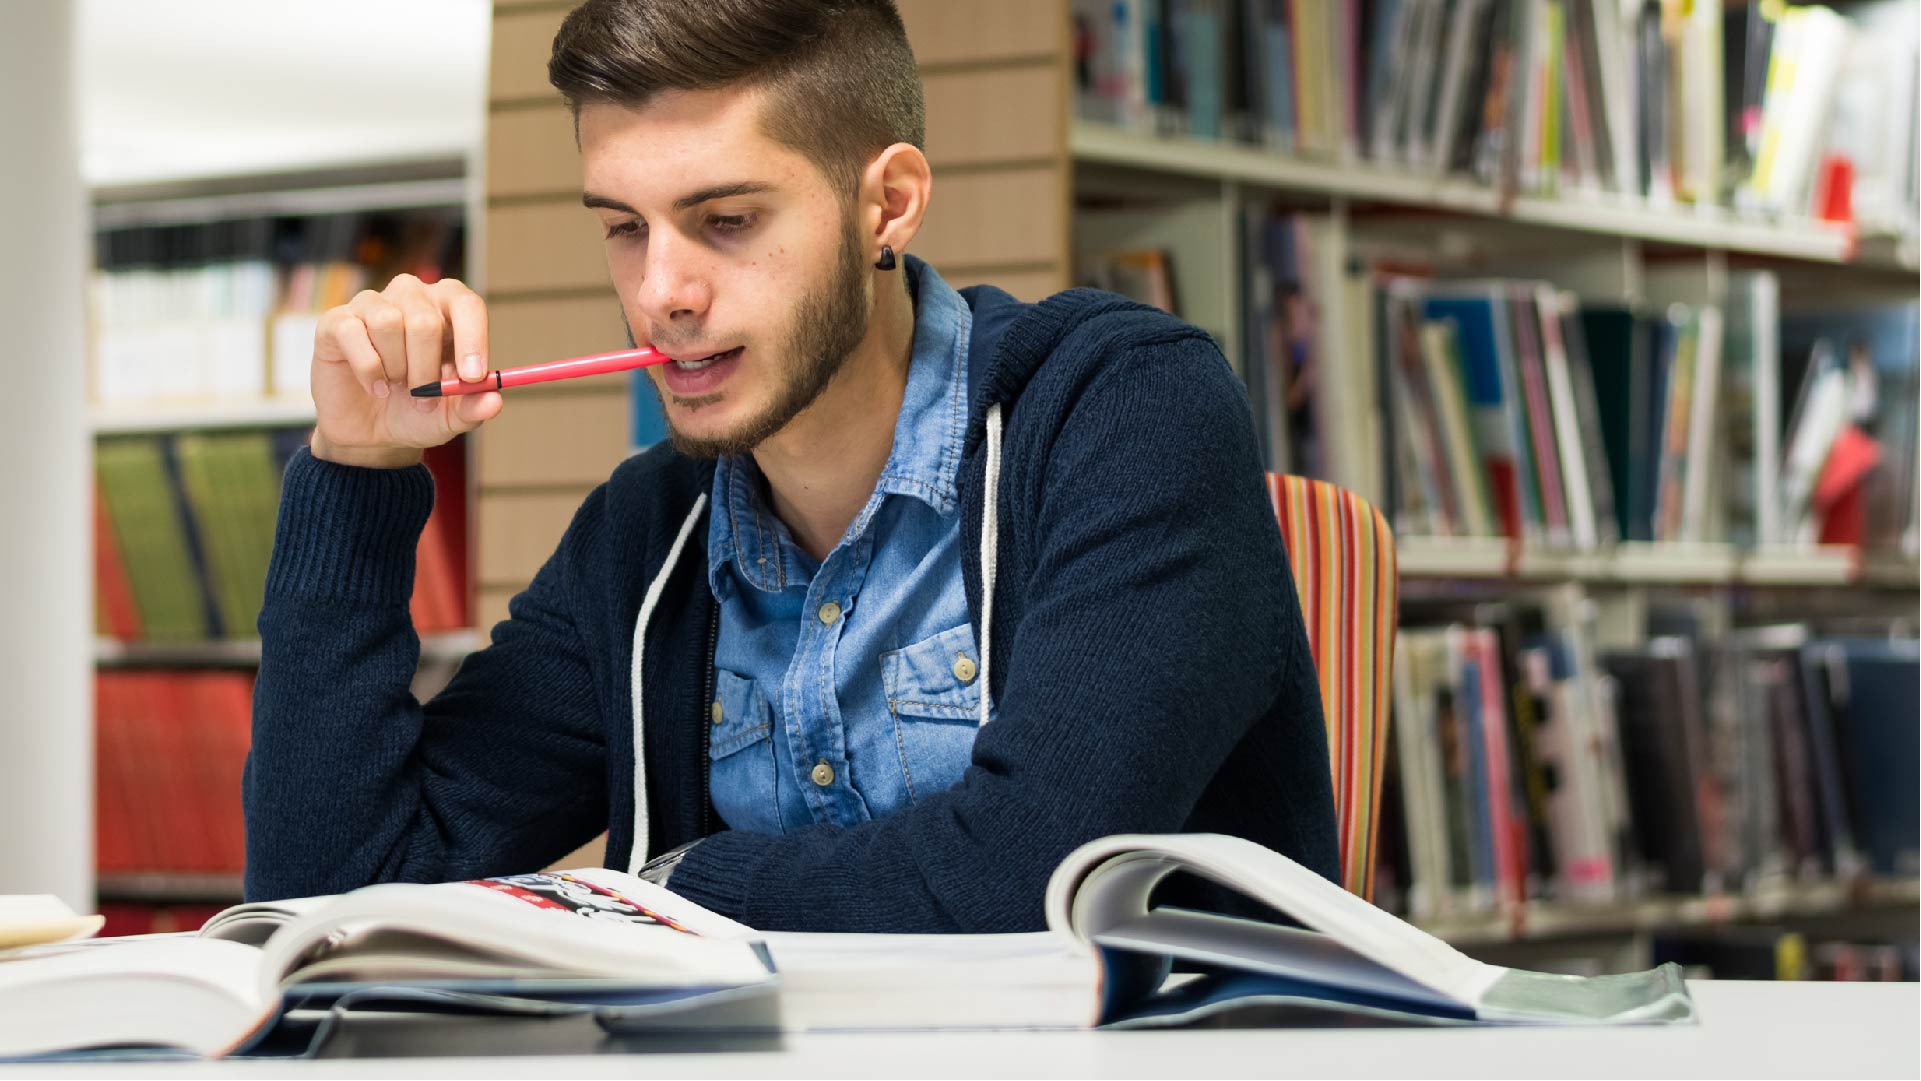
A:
x: 730, y: 223
x: 625, y: 228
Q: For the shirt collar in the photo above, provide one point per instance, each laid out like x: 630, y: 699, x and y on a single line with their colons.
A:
x: 924, y: 462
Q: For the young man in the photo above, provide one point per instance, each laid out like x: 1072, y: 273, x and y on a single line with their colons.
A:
x: 928, y: 588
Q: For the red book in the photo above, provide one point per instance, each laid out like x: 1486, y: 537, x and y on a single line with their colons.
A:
x: 184, y: 830
x: 112, y: 846
x: 440, y: 575
x: 1507, y: 822
x: 1839, y: 493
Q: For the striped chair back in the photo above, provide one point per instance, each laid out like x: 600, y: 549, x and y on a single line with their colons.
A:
x: 1342, y: 555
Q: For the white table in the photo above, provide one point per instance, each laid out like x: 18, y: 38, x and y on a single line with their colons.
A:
x: 1746, y: 1030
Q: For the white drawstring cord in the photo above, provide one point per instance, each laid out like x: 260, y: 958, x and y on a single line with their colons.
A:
x: 654, y: 588
x: 990, y: 551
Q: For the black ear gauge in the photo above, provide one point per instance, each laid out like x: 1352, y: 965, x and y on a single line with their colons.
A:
x: 886, y: 261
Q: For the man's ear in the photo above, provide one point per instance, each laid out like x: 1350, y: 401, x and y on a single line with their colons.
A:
x: 895, y: 189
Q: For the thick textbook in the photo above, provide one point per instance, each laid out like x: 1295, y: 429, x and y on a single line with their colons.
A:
x: 1112, y: 959
x: 643, y: 959
x: 596, y: 940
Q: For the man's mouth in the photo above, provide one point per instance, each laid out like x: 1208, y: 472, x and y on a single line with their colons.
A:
x: 707, y: 361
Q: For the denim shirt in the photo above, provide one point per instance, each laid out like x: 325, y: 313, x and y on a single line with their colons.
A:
x: 846, y: 689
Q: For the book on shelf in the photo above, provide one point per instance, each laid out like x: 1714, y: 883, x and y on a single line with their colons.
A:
x: 1771, y: 108
x: 171, y: 746
x: 187, y: 523
x: 1848, y: 475
x: 1510, y: 408
x: 644, y: 959
x: 227, y: 309
x: 1295, y: 286
x: 1143, y: 274
x: 1535, y: 765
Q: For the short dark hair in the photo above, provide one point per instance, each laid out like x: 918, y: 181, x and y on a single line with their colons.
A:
x: 840, y: 75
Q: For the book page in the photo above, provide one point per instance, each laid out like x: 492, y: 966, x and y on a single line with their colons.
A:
x: 256, y: 921
x: 597, y: 924
x: 1032, y: 980
x: 35, y: 918
x: 1105, y: 884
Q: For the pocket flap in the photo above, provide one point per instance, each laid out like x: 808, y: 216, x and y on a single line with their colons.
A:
x: 744, y: 715
x: 935, y: 677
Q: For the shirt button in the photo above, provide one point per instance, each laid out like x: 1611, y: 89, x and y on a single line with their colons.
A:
x: 964, y: 668
x: 823, y: 774
x: 829, y: 612
x: 718, y: 715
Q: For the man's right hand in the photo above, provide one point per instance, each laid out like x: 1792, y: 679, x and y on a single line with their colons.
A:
x: 371, y: 350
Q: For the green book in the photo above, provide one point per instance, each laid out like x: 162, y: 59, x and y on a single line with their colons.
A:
x: 153, y: 542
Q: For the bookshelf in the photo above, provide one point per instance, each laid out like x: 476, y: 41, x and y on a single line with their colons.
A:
x: 266, y: 412
x: 1705, y: 228
x: 174, y: 703
x: 437, y: 649
x: 1024, y: 204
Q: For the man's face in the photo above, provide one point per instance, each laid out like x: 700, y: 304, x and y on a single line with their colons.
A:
x: 729, y: 251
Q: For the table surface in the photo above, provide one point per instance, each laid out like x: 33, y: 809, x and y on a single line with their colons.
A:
x: 1746, y: 1030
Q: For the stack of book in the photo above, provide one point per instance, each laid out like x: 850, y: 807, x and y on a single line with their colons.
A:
x: 1776, y: 108
x: 184, y: 528
x: 172, y: 745
x: 1530, y: 763
x: 227, y: 309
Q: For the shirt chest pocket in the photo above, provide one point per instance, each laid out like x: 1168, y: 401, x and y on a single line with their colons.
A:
x: 740, y: 752
x: 933, y: 695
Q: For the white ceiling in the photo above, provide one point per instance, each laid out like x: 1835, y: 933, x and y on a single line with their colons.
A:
x: 180, y: 89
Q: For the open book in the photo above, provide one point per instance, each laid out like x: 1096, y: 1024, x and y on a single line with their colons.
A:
x: 591, y: 939
x: 1106, y: 959
x: 641, y: 959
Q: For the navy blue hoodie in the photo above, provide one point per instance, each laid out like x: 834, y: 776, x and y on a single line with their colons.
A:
x: 1141, y: 641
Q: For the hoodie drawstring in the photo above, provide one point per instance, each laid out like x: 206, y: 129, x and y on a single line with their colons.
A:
x: 654, y: 589
x: 990, y: 551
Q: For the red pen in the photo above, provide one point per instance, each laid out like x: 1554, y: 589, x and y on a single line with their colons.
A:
x: 621, y: 360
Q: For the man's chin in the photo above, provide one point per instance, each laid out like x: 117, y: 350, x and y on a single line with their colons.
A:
x: 713, y: 440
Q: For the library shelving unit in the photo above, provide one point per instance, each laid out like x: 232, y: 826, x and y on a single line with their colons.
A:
x: 437, y: 186
x: 1024, y: 189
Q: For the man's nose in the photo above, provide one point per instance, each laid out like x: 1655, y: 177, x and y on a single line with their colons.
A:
x: 674, y: 287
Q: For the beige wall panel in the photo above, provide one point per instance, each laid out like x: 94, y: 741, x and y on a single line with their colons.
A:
x: 531, y: 151
x: 1028, y: 285
x: 522, y: 41
x: 556, y: 439
x: 491, y: 607
x: 519, y: 529
x: 1000, y: 114
x: 957, y: 31
x: 530, y: 330
x: 995, y: 218
x: 543, y: 246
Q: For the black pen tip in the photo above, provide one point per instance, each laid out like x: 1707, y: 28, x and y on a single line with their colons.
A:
x: 427, y: 390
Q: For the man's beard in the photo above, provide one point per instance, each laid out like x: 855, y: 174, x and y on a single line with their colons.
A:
x: 828, y: 323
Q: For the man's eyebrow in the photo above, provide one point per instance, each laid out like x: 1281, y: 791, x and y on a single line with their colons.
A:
x: 685, y: 202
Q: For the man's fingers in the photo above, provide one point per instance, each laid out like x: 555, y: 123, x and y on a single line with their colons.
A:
x: 470, y: 411
x: 426, y: 337
x: 387, y: 329
x: 467, y: 317
x: 345, y: 340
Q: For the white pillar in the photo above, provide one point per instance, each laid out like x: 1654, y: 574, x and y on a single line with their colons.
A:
x: 46, y: 580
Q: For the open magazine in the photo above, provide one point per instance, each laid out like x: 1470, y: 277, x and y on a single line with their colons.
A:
x: 641, y: 959
x: 593, y: 940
